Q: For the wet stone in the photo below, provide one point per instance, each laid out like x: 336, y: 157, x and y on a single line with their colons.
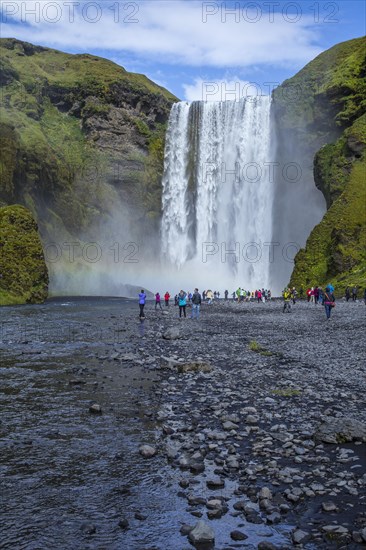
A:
x: 238, y: 535
x: 95, y: 409
x: 275, y: 517
x: 123, y: 523
x: 329, y: 506
x: 140, y: 516
x: 266, y: 545
x: 185, y: 529
x: 88, y: 528
x: 147, y: 451
x: 215, y: 483
x: 197, y: 467
x: 201, y: 533
x: 299, y: 536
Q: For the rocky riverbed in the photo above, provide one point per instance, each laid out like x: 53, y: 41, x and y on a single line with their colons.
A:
x: 244, y: 429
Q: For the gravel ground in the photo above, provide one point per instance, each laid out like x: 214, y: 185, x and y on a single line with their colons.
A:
x: 258, y: 415
x: 280, y: 421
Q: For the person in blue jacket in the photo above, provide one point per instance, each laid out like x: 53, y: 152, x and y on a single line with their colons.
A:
x: 182, y: 302
x: 142, y: 300
x: 328, y: 301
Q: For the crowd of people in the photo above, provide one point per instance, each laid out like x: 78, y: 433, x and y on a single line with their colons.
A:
x: 259, y: 295
x: 315, y: 295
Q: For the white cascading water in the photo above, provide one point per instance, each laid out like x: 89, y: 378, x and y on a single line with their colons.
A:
x: 217, y: 190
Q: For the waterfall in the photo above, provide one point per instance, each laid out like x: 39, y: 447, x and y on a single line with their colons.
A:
x: 218, y: 190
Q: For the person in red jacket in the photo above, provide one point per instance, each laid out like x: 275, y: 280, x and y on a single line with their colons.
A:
x: 166, y: 298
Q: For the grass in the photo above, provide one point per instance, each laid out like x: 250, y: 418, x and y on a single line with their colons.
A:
x: 94, y: 74
x: 257, y: 348
x: 50, y: 163
x: 286, y: 392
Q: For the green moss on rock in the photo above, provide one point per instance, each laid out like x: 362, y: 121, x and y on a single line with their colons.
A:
x: 336, y: 248
x: 23, y: 272
x: 327, y: 116
x: 69, y: 125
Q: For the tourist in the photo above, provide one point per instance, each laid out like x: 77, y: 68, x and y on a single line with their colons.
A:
x: 176, y: 300
x: 312, y: 295
x: 142, y: 300
x: 347, y: 294
x: 259, y: 295
x: 316, y: 294
x: 196, y: 302
x: 321, y: 296
x: 182, y: 302
x: 329, y: 301
x: 286, y: 300
x: 269, y: 295
x: 226, y: 294
x: 354, y: 293
x: 308, y: 294
x: 204, y: 295
x: 166, y: 298
x: 157, y: 300
x: 209, y: 296
x: 234, y: 295
x: 293, y: 295
x: 238, y: 292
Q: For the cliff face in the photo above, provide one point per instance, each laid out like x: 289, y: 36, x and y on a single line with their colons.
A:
x: 323, y: 128
x: 23, y: 272
x: 79, y: 136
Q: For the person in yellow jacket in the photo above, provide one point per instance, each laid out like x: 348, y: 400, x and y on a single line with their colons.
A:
x: 287, y: 299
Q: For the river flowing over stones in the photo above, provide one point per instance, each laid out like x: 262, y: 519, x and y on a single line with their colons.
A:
x: 245, y: 429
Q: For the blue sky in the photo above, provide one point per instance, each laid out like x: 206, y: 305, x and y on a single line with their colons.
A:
x: 198, y: 50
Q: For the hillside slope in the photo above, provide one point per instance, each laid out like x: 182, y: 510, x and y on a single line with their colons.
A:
x: 324, y: 129
x: 79, y: 134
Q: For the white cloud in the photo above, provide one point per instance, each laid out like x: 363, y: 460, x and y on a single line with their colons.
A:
x: 172, y: 32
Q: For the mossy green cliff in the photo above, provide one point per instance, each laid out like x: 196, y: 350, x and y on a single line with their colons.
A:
x: 327, y: 121
x: 23, y: 272
x: 78, y: 134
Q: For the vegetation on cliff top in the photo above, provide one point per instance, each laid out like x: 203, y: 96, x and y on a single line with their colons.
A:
x: 23, y: 272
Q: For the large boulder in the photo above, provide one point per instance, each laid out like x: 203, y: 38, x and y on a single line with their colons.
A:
x: 341, y: 430
x: 172, y: 333
x: 201, y: 533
